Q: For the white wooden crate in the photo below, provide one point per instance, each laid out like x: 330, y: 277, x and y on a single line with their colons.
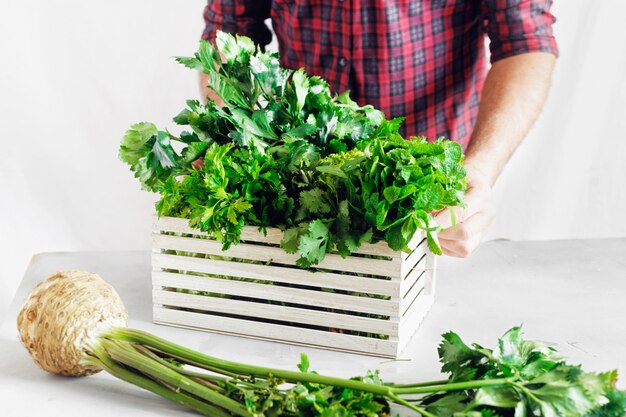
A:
x: 370, y: 302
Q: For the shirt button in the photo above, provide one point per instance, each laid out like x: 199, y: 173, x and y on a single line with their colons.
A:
x: 343, y: 62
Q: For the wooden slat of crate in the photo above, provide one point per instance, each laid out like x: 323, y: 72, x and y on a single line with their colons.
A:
x: 275, y: 254
x: 284, y: 294
x: 431, y: 268
x: 417, y: 241
x: 419, y: 308
x: 389, y: 287
x: 414, y: 294
x: 286, y: 334
x: 411, y: 321
x: 256, y: 310
x: 410, y: 279
x: 410, y: 261
x: 251, y: 233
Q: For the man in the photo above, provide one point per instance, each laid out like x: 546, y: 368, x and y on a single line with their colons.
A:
x: 426, y: 61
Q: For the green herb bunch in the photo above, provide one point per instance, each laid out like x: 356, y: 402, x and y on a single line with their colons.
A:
x: 283, y: 152
x: 518, y: 378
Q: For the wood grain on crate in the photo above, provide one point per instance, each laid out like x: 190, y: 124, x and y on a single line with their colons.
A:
x: 273, y: 254
x: 270, y: 292
x: 273, y: 236
x: 413, y: 319
x: 276, y: 274
x: 273, y: 299
x: 275, y: 312
x: 285, y: 334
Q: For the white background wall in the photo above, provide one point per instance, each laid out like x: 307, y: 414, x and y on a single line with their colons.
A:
x: 75, y: 74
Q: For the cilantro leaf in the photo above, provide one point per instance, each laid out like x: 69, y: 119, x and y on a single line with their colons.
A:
x: 290, y: 240
x: 314, y: 244
x: 313, y: 201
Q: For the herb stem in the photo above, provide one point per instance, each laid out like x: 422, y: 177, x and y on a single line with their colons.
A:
x: 413, y: 407
x: 103, y: 361
x: 455, y: 386
x: 128, y: 356
x: 417, y: 384
x: 150, y: 354
x: 524, y: 390
x: 177, y: 351
x: 241, y: 379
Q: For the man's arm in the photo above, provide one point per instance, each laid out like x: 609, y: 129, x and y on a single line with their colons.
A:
x: 514, y: 92
x: 523, y: 51
x: 512, y: 99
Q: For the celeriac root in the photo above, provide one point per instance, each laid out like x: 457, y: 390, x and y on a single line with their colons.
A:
x: 61, y: 317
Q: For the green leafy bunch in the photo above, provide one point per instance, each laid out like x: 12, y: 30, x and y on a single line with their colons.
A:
x: 517, y: 378
x: 283, y: 152
x: 385, y: 188
x: 312, y: 399
x: 309, y: 399
x: 234, y: 187
x: 266, y: 104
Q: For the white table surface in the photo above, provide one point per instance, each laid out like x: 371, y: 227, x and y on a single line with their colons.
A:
x: 571, y: 293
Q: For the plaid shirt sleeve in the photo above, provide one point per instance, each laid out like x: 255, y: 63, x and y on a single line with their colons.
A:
x: 243, y: 17
x: 519, y: 26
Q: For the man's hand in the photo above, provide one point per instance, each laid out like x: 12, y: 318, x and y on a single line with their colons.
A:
x: 472, y: 221
x: 514, y: 92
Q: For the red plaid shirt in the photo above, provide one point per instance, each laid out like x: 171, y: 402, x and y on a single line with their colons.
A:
x: 424, y: 60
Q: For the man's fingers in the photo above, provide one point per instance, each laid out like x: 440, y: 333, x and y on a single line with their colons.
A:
x: 463, y: 240
x: 472, y: 206
x: 444, y: 219
x: 475, y: 225
x: 449, y: 252
x: 459, y: 248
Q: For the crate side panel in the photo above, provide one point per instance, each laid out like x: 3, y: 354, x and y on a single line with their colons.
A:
x: 413, y: 259
x: 410, y: 299
x: 411, y: 322
x: 264, y: 311
x: 431, y: 269
x: 388, y: 287
x: 418, y: 242
x: 275, y: 254
x: 273, y: 332
x: 276, y: 293
x: 251, y: 233
x: 408, y: 281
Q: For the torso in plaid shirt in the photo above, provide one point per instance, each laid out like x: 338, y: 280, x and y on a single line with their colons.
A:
x: 424, y: 60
